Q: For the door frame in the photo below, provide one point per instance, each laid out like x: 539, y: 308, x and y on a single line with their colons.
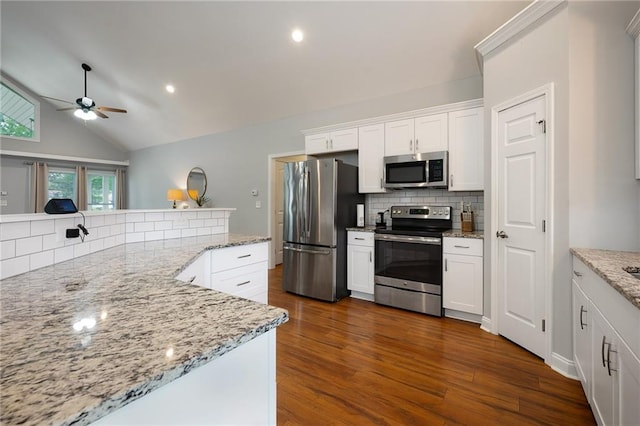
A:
x: 548, y: 92
x: 271, y: 177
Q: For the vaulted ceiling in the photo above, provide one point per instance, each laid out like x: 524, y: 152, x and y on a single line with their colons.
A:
x: 233, y: 63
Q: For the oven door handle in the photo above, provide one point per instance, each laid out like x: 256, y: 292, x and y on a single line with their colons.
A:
x: 408, y: 239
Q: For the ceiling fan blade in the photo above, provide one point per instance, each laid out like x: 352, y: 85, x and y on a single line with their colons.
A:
x: 102, y: 108
x: 66, y: 109
x: 59, y: 100
x: 99, y: 114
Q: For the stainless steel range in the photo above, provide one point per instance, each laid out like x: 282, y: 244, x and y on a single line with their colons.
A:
x: 408, y: 258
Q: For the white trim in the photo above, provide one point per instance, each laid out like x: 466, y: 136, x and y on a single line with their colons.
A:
x: 36, y: 103
x: 486, y: 325
x: 633, y: 29
x: 362, y: 296
x: 271, y: 158
x: 564, y: 366
x: 463, y: 316
x: 62, y: 158
x: 514, y: 26
x: 474, y: 103
x: 548, y: 92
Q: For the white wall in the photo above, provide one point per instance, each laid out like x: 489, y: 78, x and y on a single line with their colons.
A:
x: 581, y: 48
x: 604, y: 196
x: 60, y: 134
x: 236, y: 162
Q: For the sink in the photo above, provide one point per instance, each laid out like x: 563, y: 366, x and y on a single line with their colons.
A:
x: 633, y: 270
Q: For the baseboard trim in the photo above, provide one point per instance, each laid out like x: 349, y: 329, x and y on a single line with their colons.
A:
x: 463, y: 316
x: 564, y: 366
x: 362, y: 296
x: 486, y: 325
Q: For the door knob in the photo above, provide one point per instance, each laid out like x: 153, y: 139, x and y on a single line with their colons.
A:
x: 501, y: 234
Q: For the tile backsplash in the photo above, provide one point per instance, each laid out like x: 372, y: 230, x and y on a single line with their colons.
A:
x: 29, y: 242
x: 432, y: 197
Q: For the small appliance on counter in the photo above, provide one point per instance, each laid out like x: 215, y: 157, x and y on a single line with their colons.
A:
x: 380, y: 222
x: 466, y: 218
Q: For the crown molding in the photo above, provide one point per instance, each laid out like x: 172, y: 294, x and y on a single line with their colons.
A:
x: 398, y: 116
x: 633, y: 29
x: 514, y: 26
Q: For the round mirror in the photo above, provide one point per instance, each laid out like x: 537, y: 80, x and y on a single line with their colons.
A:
x: 196, y: 184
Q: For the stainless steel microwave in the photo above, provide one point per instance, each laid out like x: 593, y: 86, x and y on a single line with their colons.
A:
x: 427, y: 170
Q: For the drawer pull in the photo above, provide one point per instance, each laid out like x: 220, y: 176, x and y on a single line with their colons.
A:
x: 358, y: 238
x: 457, y: 246
x: 244, y: 283
x: 582, y: 323
x: 246, y: 255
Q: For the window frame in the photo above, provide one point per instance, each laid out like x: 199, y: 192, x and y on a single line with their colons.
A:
x: 36, y: 103
x: 102, y: 173
x: 62, y: 169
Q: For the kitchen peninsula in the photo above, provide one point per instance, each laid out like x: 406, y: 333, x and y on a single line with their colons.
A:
x: 87, y: 336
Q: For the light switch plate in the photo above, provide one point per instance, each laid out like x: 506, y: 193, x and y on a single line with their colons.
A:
x: 258, y: 204
x: 4, y: 193
x: 3, y: 203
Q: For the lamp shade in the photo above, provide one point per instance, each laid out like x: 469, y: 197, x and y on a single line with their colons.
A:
x: 175, y: 195
x: 193, y: 193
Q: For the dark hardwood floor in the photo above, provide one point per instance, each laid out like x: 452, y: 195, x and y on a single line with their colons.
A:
x: 355, y: 362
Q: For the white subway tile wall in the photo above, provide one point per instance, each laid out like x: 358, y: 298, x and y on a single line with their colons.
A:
x: 32, y: 244
x: 430, y: 197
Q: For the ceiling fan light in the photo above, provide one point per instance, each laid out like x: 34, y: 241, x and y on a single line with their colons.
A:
x: 85, y: 115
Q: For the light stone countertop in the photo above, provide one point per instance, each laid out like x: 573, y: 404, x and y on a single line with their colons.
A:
x: 608, y: 265
x: 82, y: 338
x: 458, y: 233
x: 368, y: 228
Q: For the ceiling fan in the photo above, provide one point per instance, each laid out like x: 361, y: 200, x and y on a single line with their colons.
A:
x: 85, y: 107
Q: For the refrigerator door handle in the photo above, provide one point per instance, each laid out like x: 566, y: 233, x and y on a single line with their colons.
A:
x: 308, y: 188
x: 310, y: 251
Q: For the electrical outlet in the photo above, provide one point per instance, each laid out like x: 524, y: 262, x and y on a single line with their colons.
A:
x: 72, y: 233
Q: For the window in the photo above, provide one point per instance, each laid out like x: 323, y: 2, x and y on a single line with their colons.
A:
x: 62, y: 183
x: 101, y: 190
x: 19, y: 113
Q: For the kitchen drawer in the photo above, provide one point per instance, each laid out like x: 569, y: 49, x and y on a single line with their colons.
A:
x: 244, y: 281
x: 468, y: 246
x: 235, y: 257
x: 360, y: 238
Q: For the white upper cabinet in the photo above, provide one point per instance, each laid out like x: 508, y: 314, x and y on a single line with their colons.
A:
x: 466, y: 150
x: 431, y: 133
x: 340, y: 140
x: 370, y: 154
x: 415, y: 135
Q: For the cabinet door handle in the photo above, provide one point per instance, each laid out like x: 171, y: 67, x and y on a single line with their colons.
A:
x: 244, y: 283
x: 456, y: 246
x: 445, y: 265
x: 609, y: 350
x: 577, y: 274
x: 602, y: 350
x: 451, y: 180
x: 370, y: 257
x: 582, y: 323
x: 331, y: 143
x: 326, y: 144
x: 243, y: 256
x: 417, y: 149
x: 410, y: 145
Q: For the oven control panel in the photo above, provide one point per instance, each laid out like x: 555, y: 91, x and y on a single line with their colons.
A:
x: 420, y: 212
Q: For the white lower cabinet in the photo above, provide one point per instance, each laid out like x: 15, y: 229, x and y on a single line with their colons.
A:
x: 608, y: 367
x: 240, y: 270
x: 360, y: 264
x: 462, y: 280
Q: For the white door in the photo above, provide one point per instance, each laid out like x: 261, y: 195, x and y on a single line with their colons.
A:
x: 521, y: 241
x: 279, y: 211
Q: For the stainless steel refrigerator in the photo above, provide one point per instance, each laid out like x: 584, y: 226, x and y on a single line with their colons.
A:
x: 320, y: 202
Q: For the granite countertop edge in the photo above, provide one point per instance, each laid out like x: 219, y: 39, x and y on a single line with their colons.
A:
x: 115, y: 402
x: 608, y: 264
x: 258, y: 321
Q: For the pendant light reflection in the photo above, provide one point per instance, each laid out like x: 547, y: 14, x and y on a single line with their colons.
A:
x: 85, y: 115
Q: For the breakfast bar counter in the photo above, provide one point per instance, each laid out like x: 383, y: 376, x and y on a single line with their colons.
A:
x: 82, y: 338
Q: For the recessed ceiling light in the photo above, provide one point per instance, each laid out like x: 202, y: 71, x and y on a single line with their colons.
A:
x: 297, y: 35
x: 170, y: 88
